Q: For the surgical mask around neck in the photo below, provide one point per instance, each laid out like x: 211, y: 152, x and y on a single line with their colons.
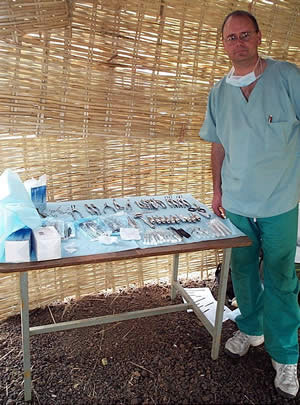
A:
x: 242, y: 81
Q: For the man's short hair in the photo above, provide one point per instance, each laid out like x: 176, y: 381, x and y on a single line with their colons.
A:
x: 241, y: 13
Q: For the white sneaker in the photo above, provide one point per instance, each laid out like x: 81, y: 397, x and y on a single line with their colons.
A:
x: 286, y: 380
x: 240, y: 343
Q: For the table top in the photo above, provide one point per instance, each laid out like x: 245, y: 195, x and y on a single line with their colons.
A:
x: 240, y: 241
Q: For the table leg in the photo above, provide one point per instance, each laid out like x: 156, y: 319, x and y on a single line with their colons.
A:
x: 220, y: 304
x: 25, y: 334
x: 174, y: 275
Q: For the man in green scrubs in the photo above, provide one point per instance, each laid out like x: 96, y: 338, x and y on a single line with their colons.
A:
x: 253, y: 122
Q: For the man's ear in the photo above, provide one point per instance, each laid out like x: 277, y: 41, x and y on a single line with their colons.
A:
x: 258, y: 38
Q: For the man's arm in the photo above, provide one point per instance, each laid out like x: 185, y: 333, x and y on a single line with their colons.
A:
x: 217, y: 157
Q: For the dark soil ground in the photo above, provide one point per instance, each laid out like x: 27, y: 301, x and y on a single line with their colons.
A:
x: 157, y: 360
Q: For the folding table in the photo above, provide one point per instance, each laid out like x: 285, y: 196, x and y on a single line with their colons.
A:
x: 175, y: 250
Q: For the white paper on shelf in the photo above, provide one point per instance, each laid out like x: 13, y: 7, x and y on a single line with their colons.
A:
x: 205, y: 301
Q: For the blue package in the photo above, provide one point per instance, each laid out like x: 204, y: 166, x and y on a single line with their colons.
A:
x: 21, y: 234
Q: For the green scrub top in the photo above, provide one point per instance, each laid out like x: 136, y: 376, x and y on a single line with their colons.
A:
x: 261, y: 139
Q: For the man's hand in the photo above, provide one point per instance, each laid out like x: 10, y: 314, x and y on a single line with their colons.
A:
x: 217, y: 157
x: 217, y: 205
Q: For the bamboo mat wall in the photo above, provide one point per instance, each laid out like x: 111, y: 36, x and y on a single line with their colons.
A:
x: 107, y: 97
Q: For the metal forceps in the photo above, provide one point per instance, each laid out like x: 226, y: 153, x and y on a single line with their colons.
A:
x: 106, y: 207
x: 92, y: 209
x: 75, y: 211
x: 117, y: 205
x: 201, y: 211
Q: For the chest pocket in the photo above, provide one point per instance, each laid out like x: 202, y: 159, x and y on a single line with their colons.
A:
x: 277, y: 135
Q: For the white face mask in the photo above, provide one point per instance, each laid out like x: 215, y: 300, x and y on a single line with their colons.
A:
x: 242, y: 81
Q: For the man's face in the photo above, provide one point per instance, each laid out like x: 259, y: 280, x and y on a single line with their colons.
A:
x: 244, y: 39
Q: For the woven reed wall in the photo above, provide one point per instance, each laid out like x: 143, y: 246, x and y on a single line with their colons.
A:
x: 107, y: 98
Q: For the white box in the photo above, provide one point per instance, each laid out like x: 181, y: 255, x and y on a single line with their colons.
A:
x: 47, y: 243
x: 17, y: 246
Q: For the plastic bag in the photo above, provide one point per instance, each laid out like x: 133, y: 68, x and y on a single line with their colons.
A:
x: 16, y: 207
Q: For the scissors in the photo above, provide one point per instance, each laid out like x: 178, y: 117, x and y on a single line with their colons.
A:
x: 201, y: 211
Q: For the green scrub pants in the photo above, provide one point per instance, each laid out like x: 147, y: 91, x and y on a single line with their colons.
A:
x: 270, y: 309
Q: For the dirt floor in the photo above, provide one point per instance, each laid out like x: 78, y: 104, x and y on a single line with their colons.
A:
x: 157, y: 360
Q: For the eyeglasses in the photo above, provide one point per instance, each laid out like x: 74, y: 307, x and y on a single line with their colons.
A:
x: 243, y: 36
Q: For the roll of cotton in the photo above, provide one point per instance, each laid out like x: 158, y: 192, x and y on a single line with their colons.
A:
x: 47, y: 243
x: 17, y: 246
